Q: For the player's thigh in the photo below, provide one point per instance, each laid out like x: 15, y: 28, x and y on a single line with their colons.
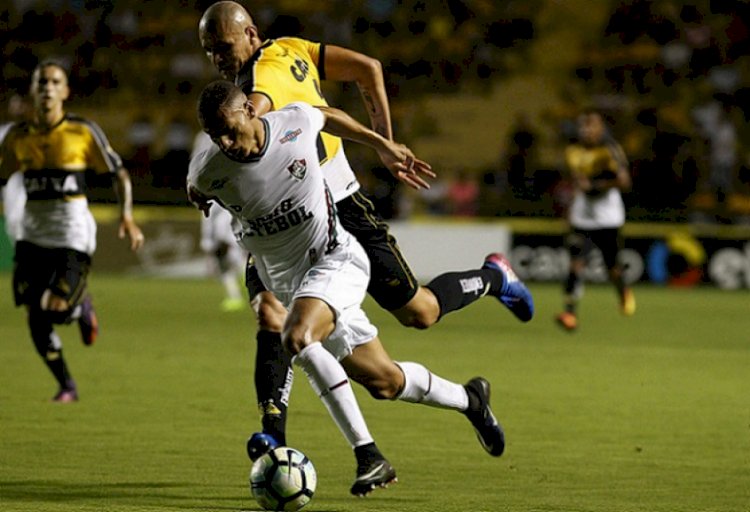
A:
x: 60, y: 272
x: 610, y: 243
x: 392, y: 283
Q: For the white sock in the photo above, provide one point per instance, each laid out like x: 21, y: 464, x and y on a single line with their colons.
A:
x: 424, y: 387
x: 231, y: 287
x: 328, y: 378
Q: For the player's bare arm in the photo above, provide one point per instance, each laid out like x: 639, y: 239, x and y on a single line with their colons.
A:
x: 344, y: 65
x: 398, y: 158
x: 261, y: 104
x: 199, y: 200
x: 124, y: 191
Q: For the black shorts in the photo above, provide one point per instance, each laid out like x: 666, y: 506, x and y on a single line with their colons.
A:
x: 252, y: 280
x: 392, y: 283
x: 62, y: 271
x: 581, y: 242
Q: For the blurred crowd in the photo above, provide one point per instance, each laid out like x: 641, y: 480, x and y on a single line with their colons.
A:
x: 670, y: 76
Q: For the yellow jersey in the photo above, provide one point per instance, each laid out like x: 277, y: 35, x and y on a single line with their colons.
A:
x: 53, y: 163
x: 288, y: 70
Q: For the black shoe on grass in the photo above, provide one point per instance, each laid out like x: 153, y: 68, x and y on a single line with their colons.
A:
x: 489, y: 432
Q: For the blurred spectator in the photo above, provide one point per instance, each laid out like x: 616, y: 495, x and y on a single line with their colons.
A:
x: 463, y: 195
x: 520, y: 159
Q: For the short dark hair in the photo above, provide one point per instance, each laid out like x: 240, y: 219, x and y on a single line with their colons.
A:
x: 51, y: 62
x: 213, y: 98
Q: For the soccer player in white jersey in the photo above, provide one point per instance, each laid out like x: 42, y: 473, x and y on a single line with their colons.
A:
x: 265, y: 171
x: 274, y: 73
x: 599, y: 171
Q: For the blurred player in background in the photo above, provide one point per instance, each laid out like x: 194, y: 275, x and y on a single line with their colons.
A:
x: 218, y: 243
x: 276, y: 190
x: 14, y: 194
x: 53, y: 151
x: 274, y: 73
x: 600, y: 172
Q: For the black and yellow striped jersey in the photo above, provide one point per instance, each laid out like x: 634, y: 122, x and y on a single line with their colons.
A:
x: 54, y: 161
x: 601, y: 161
x: 288, y: 70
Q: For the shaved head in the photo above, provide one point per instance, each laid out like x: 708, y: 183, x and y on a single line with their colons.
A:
x: 221, y: 14
x: 228, y: 36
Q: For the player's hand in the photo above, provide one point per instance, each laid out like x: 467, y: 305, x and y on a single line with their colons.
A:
x: 199, y: 200
x: 406, y: 167
x: 128, y: 227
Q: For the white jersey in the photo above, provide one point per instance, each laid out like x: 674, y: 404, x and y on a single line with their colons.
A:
x: 14, y: 201
x: 217, y: 229
x: 14, y: 198
x: 601, y: 212
x: 283, y: 205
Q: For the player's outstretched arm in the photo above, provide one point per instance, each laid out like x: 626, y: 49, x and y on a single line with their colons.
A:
x: 396, y: 157
x: 344, y: 65
x: 199, y: 200
x: 124, y: 191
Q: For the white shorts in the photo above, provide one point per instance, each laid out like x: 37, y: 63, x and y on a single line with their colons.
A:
x: 340, y: 280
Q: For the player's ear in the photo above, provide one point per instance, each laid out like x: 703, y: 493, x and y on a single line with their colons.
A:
x: 252, y: 34
x: 250, y: 108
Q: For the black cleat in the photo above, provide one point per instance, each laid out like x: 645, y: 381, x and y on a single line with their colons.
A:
x: 489, y: 432
x: 378, y: 473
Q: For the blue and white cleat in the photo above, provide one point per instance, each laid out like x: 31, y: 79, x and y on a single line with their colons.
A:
x: 259, y: 444
x: 514, y: 294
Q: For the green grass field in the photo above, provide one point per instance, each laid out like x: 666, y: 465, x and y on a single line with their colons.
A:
x: 650, y: 413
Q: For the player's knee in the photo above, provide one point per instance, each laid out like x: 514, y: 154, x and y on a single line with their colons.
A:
x: 421, y: 312
x: 295, y: 339
x: 419, y: 320
x: 270, y: 313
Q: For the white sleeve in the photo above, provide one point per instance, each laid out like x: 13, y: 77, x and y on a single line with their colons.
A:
x: 315, y: 117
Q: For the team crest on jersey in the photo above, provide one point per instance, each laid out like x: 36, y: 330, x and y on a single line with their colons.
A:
x: 298, y: 168
x: 290, y: 136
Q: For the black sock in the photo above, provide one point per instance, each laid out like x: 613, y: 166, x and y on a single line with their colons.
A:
x: 48, y: 346
x: 475, y: 403
x: 620, y: 286
x: 572, y: 289
x: 456, y: 290
x: 273, y: 382
x: 367, y: 453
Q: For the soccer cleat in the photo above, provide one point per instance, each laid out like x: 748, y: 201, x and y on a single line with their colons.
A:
x: 259, y: 444
x: 514, y: 294
x: 488, y: 430
x: 627, y: 302
x: 65, y: 396
x: 373, y: 474
x: 88, y: 322
x: 567, y: 321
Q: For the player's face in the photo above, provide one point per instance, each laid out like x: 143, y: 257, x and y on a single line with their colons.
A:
x: 49, y: 88
x: 234, y: 133
x: 228, y: 47
x: 591, y: 128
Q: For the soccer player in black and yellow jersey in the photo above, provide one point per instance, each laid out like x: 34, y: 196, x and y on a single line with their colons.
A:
x: 599, y: 171
x: 53, y: 151
x: 274, y: 73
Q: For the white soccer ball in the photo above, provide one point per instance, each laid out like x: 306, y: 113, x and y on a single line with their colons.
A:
x: 283, y: 479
